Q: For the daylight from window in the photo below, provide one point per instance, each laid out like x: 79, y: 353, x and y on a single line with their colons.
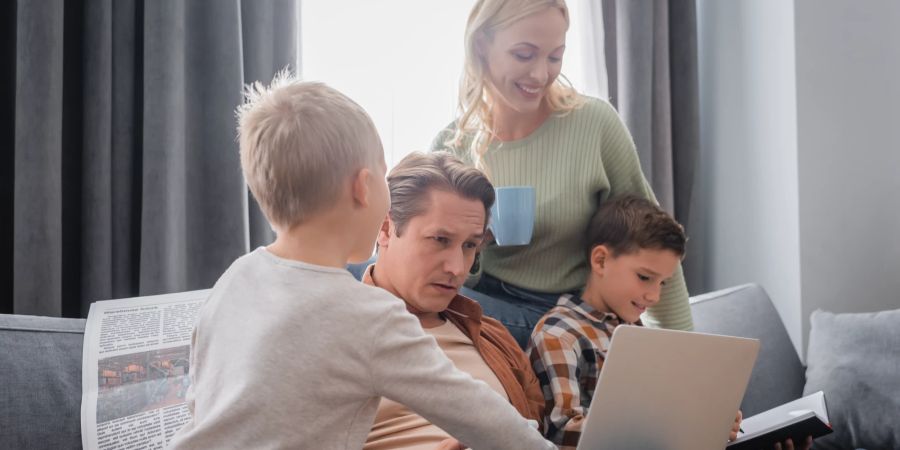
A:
x: 401, y: 60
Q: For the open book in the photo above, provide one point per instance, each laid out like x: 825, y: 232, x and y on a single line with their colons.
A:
x: 798, y: 419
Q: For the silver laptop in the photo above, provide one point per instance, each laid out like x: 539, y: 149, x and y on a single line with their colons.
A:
x: 664, y: 389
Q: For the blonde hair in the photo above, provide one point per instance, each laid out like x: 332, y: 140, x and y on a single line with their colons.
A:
x: 300, y: 141
x: 486, y: 18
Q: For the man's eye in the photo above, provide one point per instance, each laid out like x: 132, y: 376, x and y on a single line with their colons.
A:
x: 470, y: 245
x: 555, y: 60
x: 643, y: 277
x: 440, y: 239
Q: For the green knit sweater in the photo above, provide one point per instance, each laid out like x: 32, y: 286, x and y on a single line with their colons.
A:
x: 575, y: 162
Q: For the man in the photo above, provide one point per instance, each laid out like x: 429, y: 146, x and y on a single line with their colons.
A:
x: 426, y: 246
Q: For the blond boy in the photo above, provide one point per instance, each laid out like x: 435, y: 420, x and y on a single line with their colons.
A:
x: 290, y: 351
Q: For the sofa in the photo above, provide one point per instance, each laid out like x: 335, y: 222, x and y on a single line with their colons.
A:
x: 40, y: 366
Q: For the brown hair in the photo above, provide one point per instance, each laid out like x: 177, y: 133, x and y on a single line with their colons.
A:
x: 628, y: 224
x: 413, y: 179
x: 299, y: 143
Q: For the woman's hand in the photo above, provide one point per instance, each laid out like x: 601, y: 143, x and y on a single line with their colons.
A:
x: 736, y: 426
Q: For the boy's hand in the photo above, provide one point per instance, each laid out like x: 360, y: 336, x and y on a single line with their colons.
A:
x: 789, y: 444
x: 736, y: 426
x: 452, y: 444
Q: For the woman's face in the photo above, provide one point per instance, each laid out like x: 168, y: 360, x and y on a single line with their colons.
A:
x: 524, y: 59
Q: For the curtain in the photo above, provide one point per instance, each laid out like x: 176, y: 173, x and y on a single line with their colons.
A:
x: 651, y: 58
x: 650, y: 53
x: 123, y: 175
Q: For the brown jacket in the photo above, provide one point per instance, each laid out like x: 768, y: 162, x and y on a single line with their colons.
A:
x: 498, y: 349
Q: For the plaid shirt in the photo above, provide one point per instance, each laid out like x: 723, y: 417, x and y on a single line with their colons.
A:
x: 567, y: 350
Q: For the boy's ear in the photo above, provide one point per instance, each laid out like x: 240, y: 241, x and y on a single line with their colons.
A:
x: 599, y: 255
x: 359, y: 189
x: 384, y: 234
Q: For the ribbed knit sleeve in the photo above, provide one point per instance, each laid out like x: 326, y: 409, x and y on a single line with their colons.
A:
x: 575, y: 162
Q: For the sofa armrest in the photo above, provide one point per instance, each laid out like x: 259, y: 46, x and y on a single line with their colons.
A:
x: 40, y: 382
x: 747, y: 311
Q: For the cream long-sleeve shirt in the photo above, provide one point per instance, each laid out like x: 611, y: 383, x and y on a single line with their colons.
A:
x: 292, y: 355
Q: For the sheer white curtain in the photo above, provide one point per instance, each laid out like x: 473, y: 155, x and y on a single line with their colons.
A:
x: 585, y: 62
x: 401, y: 60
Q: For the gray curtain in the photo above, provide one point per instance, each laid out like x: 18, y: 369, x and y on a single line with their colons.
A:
x: 125, y: 174
x: 651, y: 60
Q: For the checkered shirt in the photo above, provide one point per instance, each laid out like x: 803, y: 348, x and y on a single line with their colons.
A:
x: 567, y: 350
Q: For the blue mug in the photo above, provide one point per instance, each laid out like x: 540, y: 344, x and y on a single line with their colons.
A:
x: 512, y: 216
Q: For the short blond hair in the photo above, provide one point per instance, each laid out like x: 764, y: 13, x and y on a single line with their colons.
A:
x: 300, y: 141
x: 475, y: 103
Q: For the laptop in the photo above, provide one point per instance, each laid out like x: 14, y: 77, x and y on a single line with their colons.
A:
x: 665, y: 389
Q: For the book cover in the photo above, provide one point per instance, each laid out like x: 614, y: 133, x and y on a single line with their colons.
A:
x: 807, y: 416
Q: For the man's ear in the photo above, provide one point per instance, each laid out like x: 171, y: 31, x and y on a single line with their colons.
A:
x: 384, y: 234
x: 599, y: 255
x: 359, y: 189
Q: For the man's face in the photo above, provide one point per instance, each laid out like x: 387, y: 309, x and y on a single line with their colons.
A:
x: 632, y: 282
x: 428, y: 263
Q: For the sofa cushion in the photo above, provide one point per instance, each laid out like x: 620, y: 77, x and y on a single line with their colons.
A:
x: 746, y: 311
x: 855, y: 360
x: 40, y: 382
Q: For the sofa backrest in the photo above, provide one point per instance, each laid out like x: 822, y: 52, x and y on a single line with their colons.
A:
x: 747, y: 311
x: 40, y: 382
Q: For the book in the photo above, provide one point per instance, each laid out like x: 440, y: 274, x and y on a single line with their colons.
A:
x: 807, y: 416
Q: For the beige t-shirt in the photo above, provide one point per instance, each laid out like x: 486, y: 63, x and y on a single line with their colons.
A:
x: 397, y: 427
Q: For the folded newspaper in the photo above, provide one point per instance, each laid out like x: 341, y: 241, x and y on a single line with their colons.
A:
x: 135, y: 371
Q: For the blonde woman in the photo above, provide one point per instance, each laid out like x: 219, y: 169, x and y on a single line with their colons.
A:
x: 523, y: 125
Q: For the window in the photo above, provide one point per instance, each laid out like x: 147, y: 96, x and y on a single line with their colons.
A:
x: 401, y: 60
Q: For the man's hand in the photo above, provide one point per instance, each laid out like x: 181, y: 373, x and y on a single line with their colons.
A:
x: 736, y: 426
x: 789, y: 444
x: 453, y: 444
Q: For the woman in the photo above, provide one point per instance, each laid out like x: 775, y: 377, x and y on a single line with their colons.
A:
x: 523, y: 126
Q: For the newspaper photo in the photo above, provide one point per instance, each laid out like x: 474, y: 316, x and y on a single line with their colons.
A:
x: 136, y: 370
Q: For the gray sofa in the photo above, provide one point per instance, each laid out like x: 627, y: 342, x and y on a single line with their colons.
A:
x: 40, y: 366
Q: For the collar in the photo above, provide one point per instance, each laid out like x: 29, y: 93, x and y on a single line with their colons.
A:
x: 583, y: 308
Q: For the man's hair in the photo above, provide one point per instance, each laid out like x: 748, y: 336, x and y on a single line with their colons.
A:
x: 417, y: 175
x: 300, y: 141
x: 629, y: 224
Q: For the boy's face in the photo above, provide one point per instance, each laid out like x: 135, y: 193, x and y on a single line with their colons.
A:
x: 629, y: 283
x: 428, y: 263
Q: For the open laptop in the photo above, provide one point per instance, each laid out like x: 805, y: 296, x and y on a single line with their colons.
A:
x: 664, y: 389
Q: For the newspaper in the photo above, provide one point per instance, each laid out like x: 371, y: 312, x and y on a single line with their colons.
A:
x: 136, y: 369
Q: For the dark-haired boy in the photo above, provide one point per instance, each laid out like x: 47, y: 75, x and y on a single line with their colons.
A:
x: 634, y: 247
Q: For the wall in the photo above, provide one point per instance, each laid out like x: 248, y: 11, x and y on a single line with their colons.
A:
x: 848, y: 70
x: 800, y: 146
x: 746, y: 198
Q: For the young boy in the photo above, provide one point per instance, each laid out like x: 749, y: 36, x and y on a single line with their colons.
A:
x: 290, y: 351
x: 633, y: 248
